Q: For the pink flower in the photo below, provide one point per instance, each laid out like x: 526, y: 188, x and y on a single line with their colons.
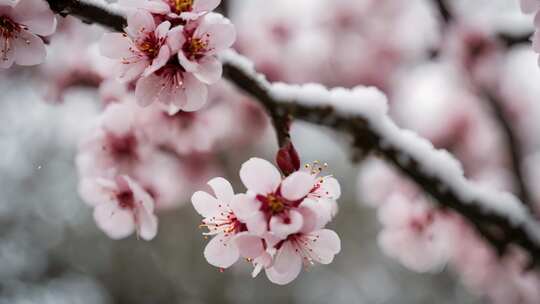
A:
x: 413, y: 234
x: 197, y: 48
x: 172, y: 86
x: 20, y: 24
x: 121, y: 206
x: 272, y: 202
x: 319, y: 246
x: 185, y: 9
x: 185, y: 132
x: 222, y: 223
x: 114, y: 146
x: 142, y: 51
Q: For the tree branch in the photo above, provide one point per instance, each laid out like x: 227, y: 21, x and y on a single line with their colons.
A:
x: 498, y: 230
x: 513, y: 141
x: 476, y: 206
x: 89, y: 12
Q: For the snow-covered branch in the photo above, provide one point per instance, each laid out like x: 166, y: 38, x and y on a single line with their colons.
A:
x: 361, y: 113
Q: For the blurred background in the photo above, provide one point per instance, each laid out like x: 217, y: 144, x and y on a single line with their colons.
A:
x: 52, y: 252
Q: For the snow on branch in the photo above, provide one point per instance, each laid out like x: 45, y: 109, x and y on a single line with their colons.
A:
x: 361, y: 113
x: 91, y: 11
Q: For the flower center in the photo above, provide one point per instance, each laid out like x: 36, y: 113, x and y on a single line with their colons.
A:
x: 149, y: 46
x: 180, y: 6
x: 7, y: 27
x: 194, y: 48
x: 275, y: 204
x: 122, y: 147
x: 126, y: 200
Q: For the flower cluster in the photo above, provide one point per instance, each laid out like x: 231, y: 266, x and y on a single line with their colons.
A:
x: 277, y: 225
x: 22, y: 22
x: 169, y: 49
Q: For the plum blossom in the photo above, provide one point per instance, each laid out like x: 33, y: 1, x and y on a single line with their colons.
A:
x: 276, y: 225
x: 413, y: 234
x: 222, y: 223
x: 21, y: 24
x: 197, y: 49
x: 272, y: 202
x: 185, y: 9
x: 142, y: 51
x: 121, y: 207
x: 300, y: 249
x: 174, y: 87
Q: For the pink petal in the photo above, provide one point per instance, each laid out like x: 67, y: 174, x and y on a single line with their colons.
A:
x: 159, y: 62
x: 205, y: 5
x: 256, y: 224
x: 326, y: 247
x: 330, y: 188
x: 115, y: 46
x: 221, y: 251
x: 260, y: 176
x: 313, y: 217
x: 148, y: 225
x: 156, y: 7
x: 140, y: 23
x: 244, y: 206
x: 287, y: 265
x: 162, y: 30
x: 147, y: 89
x: 93, y: 193
x: 129, y: 72
x: 36, y: 16
x: 297, y: 185
x: 205, y: 204
x: 142, y: 197
x: 187, y: 64
x: 250, y: 246
x: 282, y: 228
x: 115, y: 222
x: 7, y: 58
x: 196, y: 94
x: 223, y: 189
x: 209, y: 70
x: 176, y: 38
x: 29, y: 49
x: 220, y: 30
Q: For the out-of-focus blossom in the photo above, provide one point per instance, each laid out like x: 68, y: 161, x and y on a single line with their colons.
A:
x: 21, y: 24
x: 121, y: 206
x: 413, y: 234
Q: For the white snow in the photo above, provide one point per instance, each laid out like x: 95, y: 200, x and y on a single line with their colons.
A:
x: 371, y: 104
x: 112, y: 8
